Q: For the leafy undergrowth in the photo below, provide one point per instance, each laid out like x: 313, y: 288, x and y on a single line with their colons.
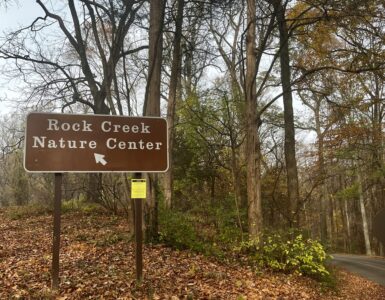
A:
x: 97, y: 262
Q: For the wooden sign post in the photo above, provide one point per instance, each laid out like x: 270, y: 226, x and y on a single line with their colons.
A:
x: 64, y: 143
x: 138, y: 193
x: 56, y: 231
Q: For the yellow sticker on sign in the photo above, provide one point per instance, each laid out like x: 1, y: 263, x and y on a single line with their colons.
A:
x: 138, y: 189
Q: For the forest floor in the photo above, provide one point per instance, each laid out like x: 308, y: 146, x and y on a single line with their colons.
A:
x: 97, y: 262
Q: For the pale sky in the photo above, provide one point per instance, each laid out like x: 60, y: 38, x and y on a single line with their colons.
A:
x: 16, y: 15
x: 19, y: 14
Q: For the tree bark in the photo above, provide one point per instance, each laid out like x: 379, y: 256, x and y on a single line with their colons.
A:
x: 290, y: 158
x: 322, y: 173
x: 365, y: 227
x: 152, y: 107
x: 347, y: 218
x: 252, y: 138
x: 378, y: 142
x: 172, y: 98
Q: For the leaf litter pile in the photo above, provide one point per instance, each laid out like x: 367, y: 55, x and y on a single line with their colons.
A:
x: 97, y: 262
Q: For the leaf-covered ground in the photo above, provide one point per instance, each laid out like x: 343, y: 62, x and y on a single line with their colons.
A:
x: 97, y: 262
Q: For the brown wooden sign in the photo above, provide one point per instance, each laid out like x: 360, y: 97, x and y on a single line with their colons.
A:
x: 95, y: 143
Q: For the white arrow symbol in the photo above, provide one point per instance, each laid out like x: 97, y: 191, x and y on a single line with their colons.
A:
x: 99, y: 158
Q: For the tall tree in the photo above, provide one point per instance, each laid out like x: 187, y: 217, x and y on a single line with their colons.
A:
x: 290, y: 156
x: 172, y: 98
x: 252, y: 124
x: 152, y: 105
x: 227, y: 43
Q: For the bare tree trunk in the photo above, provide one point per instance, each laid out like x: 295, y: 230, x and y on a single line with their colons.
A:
x: 343, y: 220
x: 347, y: 218
x: 230, y: 58
x: 237, y: 189
x: 290, y: 158
x: 94, y: 188
x: 152, y: 106
x: 365, y: 228
x: 128, y: 207
x: 172, y: 98
x: 332, y: 221
x: 252, y: 139
x: 323, y: 216
x: 378, y: 142
x: 322, y: 174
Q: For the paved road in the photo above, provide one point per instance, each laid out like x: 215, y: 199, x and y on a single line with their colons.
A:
x: 372, y: 268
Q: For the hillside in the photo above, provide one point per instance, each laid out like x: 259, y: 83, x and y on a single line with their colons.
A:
x: 97, y: 261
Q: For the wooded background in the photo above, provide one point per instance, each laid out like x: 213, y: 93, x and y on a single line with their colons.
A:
x: 275, y: 111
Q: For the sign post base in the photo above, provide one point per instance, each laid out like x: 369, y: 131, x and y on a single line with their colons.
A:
x: 56, y: 231
x: 138, y: 235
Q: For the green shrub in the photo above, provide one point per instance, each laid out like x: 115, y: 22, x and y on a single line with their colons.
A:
x: 217, y: 226
x: 26, y: 211
x: 288, y: 253
x: 177, y: 231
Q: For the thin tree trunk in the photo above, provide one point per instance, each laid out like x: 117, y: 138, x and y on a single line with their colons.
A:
x: 172, y: 98
x: 332, y: 221
x: 322, y: 174
x: 347, y: 218
x: 252, y: 139
x: 323, y: 216
x: 237, y: 190
x: 93, y: 194
x: 365, y: 227
x: 129, y: 209
x: 342, y: 213
x: 378, y: 144
x: 212, y: 191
